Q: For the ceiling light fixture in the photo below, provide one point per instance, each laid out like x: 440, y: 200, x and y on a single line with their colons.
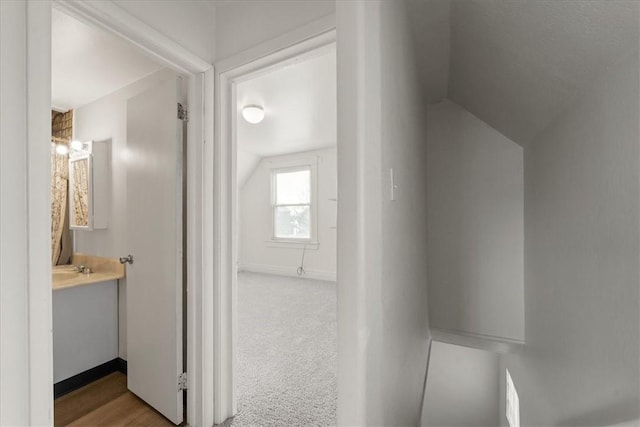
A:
x: 62, y: 149
x: 253, y: 113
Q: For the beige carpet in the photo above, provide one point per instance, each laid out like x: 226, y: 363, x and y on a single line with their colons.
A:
x: 286, y: 360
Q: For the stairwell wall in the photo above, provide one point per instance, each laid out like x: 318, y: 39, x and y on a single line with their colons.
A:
x: 581, y: 363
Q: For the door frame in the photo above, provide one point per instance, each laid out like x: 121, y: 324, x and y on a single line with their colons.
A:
x: 301, y: 41
x: 199, y: 73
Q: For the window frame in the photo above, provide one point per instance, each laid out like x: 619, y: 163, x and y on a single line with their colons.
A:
x: 295, y: 165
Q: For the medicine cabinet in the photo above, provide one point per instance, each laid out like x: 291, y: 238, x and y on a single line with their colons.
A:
x: 89, y: 184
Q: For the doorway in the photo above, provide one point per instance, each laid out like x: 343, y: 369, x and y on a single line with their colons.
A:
x: 231, y: 73
x: 199, y: 89
x: 285, y: 241
x: 117, y: 166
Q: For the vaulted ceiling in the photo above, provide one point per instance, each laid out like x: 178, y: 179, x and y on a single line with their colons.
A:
x: 518, y: 64
x: 88, y: 63
x: 299, y: 101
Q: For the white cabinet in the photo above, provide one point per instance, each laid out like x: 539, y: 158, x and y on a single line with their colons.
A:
x: 85, y: 328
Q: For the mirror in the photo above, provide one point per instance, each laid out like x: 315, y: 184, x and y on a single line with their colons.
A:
x: 80, y: 198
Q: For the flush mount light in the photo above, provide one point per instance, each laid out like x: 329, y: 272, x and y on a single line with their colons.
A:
x: 62, y: 149
x: 253, y: 113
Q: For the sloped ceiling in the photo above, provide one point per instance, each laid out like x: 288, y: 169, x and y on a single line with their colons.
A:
x: 518, y: 64
x: 431, y: 21
x: 299, y: 101
x: 88, y: 63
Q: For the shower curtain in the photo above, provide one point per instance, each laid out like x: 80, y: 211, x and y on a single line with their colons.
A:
x: 59, y: 186
x: 62, y: 132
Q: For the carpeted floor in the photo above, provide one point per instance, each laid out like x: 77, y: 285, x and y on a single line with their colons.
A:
x: 286, y: 359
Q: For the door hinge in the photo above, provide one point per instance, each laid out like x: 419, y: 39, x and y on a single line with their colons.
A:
x: 183, y: 113
x: 182, y: 381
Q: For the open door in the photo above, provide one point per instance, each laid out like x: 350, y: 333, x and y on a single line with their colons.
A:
x: 154, y: 279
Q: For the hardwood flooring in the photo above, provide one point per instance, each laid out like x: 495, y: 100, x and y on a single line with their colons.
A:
x: 106, y: 402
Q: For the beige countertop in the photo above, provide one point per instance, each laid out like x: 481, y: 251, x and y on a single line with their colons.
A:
x: 103, y: 270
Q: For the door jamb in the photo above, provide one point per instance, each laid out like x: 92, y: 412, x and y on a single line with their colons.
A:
x: 224, y: 270
x: 110, y: 17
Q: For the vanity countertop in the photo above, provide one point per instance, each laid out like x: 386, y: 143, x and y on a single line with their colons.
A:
x: 103, y: 270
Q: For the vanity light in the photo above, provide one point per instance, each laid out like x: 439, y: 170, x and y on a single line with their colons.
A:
x: 77, y: 145
x: 62, y: 149
x: 253, y: 113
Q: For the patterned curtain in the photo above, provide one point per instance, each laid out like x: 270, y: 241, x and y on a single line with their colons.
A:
x: 80, y: 171
x: 61, y: 129
x: 59, y: 186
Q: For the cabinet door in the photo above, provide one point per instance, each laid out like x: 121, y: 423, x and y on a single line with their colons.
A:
x: 154, y: 235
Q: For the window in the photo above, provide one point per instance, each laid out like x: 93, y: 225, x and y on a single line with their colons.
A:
x: 513, y: 403
x: 292, y: 203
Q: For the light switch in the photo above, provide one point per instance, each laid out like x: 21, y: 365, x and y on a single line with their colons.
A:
x: 394, y: 187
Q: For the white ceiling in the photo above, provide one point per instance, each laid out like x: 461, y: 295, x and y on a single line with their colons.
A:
x: 299, y: 100
x: 87, y: 63
x: 518, y: 64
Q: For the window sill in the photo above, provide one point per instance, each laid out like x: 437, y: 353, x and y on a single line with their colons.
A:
x: 292, y: 244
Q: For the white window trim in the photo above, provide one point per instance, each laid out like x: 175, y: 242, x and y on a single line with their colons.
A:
x: 305, y: 244
x: 293, y: 164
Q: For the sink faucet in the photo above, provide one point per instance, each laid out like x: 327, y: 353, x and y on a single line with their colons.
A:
x: 83, y: 269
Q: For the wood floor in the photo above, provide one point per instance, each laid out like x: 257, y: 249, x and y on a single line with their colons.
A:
x: 105, y: 402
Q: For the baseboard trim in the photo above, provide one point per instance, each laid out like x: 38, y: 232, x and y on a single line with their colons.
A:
x: 87, y: 377
x: 479, y: 341
x: 122, y: 365
x: 287, y: 271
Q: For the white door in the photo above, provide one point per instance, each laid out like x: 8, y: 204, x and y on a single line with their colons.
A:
x: 154, y: 234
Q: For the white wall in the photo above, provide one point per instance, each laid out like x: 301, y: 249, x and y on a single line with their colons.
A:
x: 240, y: 25
x: 85, y: 328
x: 358, y: 213
x: 106, y: 120
x: 462, y: 387
x: 246, y: 164
x: 255, y: 228
x: 403, y: 305
x: 476, y: 226
x: 189, y: 23
x: 25, y: 220
x: 13, y: 232
x: 383, y: 332
x: 431, y: 24
x: 581, y: 364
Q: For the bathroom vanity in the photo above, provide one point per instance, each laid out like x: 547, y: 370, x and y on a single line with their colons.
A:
x: 85, y: 315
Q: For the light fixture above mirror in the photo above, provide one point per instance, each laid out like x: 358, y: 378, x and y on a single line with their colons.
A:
x: 78, y: 147
x: 62, y: 149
